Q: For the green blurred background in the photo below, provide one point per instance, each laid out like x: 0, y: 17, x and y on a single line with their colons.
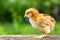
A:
x: 12, y: 19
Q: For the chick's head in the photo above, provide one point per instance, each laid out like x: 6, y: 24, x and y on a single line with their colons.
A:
x: 30, y: 12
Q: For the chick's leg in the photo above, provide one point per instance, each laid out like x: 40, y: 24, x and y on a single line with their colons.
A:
x: 46, y: 30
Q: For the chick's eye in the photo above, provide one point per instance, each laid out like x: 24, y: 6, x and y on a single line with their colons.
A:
x: 27, y: 12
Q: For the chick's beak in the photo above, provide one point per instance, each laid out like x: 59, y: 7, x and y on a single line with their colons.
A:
x: 24, y: 15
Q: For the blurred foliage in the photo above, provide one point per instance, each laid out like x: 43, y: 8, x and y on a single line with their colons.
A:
x: 12, y: 15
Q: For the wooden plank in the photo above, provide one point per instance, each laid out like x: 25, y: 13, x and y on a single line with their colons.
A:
x: 28, y: 37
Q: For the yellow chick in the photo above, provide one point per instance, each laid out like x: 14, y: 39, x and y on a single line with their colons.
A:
x: 43, y: 22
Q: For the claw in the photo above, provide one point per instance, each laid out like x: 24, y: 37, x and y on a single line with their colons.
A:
x: 41, y: 36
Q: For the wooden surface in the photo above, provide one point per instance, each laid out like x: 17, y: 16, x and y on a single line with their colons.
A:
x: 28, y: 37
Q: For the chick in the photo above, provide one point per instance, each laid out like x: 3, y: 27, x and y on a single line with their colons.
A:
x: 43, y: 22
